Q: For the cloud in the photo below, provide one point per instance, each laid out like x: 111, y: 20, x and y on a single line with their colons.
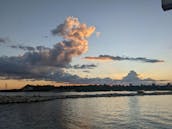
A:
x: 118, y: 58
x: 75, y: 36
x: 132, y: 76
x: 30, y: 48
x: 49, y: 63
x: 42, y: 48
x: 17, y: 67
x: 7, y: 43
x: 23, y: 47
x: 98, y: 34
x: 3, y: 41
x: 42, y: 62
x: 84, y: 66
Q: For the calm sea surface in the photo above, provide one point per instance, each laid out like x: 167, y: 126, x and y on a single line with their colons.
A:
x: 137, y: 112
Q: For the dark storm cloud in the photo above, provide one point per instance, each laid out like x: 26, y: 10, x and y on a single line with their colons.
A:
x: 118, y: 58
x: 66, y: 77
x: 17, y: 67
x: 29, y: 48
x: 14, y: 67
x: 75, y: 43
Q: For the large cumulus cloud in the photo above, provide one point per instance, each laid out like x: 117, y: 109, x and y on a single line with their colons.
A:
x: 45, y: 63
x: 41, y: 62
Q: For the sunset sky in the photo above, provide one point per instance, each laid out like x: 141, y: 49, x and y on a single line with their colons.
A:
x: 84, y: 41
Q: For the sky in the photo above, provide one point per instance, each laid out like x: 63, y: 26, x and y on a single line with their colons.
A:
x: 84, y: 41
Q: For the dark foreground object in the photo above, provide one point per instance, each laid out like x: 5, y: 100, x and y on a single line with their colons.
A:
x: 166, y: 5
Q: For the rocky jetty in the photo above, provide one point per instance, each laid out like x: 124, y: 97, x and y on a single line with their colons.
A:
x: 6, y: 99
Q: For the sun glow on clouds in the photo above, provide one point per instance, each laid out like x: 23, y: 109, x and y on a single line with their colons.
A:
x: 17, y: 84
x: 119, y: 58
x: 51, y: 63
x: 13, y: 84
x: 42, y: 63
x: 98, y: 58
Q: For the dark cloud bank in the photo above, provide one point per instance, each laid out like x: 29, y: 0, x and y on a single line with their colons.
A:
x: 83, y: 66
x: 118, y: 58
x: 49, y: 63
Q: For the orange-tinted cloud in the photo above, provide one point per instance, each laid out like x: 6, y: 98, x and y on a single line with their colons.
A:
x: 118, y: 58
x: 98, y: 58
x: 48, y: 63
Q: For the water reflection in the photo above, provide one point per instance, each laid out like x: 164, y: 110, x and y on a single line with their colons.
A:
x: 36, y: 115
x: 76, y: 114
x: 136, y: 112
x: 96, y: 113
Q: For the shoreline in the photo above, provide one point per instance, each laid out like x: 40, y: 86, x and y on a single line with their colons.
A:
x: 6, y: 99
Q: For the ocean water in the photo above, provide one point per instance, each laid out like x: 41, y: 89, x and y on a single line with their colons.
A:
x: 135, y: 112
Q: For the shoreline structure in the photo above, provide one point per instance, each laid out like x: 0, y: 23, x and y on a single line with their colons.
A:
x: 6, y: 99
